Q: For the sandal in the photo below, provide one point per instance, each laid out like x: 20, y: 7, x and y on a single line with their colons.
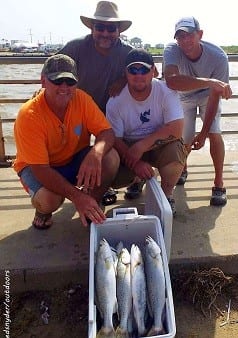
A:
x: 42, y: 221
x: 109, y: 197
x: 134, y: 190
x: 218, y: 197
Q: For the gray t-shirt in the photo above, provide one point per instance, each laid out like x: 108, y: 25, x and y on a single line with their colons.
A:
x: 213, y: 64
x: 96, y: 71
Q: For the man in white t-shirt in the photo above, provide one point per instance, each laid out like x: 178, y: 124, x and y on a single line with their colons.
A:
x: 147, y: 119
x: 199, y: 71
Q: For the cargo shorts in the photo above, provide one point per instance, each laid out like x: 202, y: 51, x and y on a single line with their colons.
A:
x: 158, y: 157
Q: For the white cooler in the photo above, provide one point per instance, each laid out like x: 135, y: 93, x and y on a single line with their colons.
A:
x: 157, y: 204
x: 129, y: 227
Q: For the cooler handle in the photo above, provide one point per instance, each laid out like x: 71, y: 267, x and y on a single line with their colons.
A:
x: 125, y: 212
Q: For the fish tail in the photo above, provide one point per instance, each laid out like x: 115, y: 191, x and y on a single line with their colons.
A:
x: 106, y: 333
x: 121, y: 333
x: 154, y: 331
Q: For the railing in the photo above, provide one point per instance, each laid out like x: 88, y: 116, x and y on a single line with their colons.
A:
x: 6, y: 60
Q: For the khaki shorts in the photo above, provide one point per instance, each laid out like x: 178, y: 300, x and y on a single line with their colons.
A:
x: 158, y: 157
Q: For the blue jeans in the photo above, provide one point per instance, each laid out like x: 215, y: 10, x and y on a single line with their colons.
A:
x: 69, y: 171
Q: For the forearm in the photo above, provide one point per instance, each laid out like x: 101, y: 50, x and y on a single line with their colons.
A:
x: 171, y: 130
x: 184, y: 82
x: 104, y: 142
x: 55, y: 182
x: 121, y: 148
x: 211, y: 110
x: 130, y: 155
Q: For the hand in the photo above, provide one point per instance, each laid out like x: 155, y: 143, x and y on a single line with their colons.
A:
x: 221, y: 88
x: 143, y: 170
x: 198, y: 141
x: 89, y: 174
x: 36, y: 93
x: 134, y: 154
x: 88, y: 208
x: 117, y: 87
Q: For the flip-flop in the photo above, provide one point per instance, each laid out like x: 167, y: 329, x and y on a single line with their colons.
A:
x: 42, y: 221
x: 109, y: 197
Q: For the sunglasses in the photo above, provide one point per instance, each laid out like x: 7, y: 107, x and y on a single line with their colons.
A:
x: 67, y: 80
x: 141, y: 70
x: 101, y: 27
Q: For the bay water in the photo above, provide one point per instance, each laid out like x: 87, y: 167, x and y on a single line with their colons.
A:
x: 32, y: 72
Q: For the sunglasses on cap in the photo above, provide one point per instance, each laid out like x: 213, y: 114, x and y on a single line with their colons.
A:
x: 141, y: 70
x: 101, y: 27
x: 70, y: 82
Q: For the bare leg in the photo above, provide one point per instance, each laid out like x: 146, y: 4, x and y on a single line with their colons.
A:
x: 46, y: 201
x: 169, y: 177
x: 217, y: 151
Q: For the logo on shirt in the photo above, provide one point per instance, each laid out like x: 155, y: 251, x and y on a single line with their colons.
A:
x: 143, y: 116
x: 78, y: 130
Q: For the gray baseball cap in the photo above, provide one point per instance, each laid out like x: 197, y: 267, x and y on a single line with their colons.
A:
x: 187, y: 24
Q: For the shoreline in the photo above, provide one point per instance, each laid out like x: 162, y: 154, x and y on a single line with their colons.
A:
x: 17, y: 54
x: 40, y: 54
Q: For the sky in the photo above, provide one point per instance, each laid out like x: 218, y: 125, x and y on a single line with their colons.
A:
x: 57, y: 21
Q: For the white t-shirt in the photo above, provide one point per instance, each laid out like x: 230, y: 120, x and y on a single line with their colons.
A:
x: 134, y: 120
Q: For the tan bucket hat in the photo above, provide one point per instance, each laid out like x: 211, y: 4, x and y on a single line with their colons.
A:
x: 106, y: 11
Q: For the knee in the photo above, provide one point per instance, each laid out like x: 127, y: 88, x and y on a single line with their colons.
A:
x: 46, y: 201
x: 215, y: 137
x: 111, y: 161
x: 170, y: 170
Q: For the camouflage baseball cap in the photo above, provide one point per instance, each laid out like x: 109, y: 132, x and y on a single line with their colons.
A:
x: 60, y: 66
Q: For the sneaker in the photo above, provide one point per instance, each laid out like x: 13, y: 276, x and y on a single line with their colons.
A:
x: 134, y: 190
x: 218, y: 196
x: 172, y: 205
x: 182, y: 179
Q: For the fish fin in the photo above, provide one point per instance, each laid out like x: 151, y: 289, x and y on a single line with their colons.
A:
x: 119, y: 247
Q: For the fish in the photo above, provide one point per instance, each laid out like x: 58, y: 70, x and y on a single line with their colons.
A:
x: 155, y: 281
x: 105, y: 289
x: 138, y: 287
x: 123, y: 289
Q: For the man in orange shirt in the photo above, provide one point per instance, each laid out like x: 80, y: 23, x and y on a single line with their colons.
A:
x: 54, y: 158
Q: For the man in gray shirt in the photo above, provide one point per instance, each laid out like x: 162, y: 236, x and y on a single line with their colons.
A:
x: 199, y: 70
x: 100, y: 59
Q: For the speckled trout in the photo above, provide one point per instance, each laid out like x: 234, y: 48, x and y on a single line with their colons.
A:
x: 138, y: 287
x: 105, y: 287
x: 124, y: 296
x: 155, y: 281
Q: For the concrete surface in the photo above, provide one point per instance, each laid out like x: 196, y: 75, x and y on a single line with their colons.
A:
x: 202, y: 235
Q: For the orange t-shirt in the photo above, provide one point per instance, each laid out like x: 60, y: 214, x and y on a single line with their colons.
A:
x: 41, y: 138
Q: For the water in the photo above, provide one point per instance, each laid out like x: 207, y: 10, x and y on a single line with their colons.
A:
x: 18, y: 72
x: 32, y: 72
